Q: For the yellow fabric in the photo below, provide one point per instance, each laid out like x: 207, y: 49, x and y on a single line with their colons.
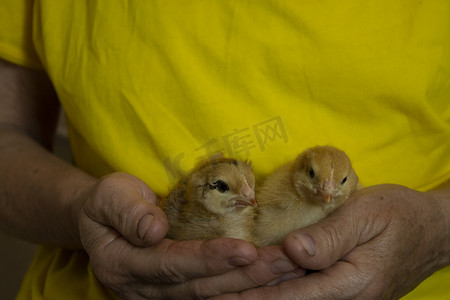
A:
x: 16, y: 35
x: 150, y: 87
x: 62, y: 274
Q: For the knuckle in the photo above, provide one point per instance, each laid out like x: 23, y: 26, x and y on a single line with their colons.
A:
x: 170, y: 273
x: 198, y: 289
x: 104, y: 275
x: 209, y: 251
x: 332, y: 236
x: 164, y: 268
x: 101, y: 191
x: 251, y: 279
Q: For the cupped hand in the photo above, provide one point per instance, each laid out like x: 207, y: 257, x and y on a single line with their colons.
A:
x: 382, y: 243
x: 122, y: 230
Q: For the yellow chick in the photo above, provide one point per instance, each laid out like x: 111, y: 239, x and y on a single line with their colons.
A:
x: 302, y: 192
x: 217, y: 199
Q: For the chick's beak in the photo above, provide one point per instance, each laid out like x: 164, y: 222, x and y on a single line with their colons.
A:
x: 327, y: 191
x: 248, y: 196
x: 328, y: 197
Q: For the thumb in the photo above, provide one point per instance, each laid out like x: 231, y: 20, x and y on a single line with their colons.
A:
x: 128, y: 205
x: 320, y: 245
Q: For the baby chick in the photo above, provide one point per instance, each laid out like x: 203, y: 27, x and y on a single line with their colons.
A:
x: 217, y: 199
x: 302, y: 192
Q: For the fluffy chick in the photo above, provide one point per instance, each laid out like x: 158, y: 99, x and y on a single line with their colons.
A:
x: 302, y: 192
x: 217, y: 199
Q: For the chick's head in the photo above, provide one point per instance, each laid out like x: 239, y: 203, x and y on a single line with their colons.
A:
x: 224, y: 185
x: 324, y: 174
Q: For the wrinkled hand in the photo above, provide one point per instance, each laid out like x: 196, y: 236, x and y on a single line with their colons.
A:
x: 382, y: 243
x: 122, y: 230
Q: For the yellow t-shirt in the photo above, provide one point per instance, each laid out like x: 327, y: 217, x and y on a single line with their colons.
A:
x: 151, y: 87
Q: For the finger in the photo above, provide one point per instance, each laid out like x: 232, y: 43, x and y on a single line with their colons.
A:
x: 127, y: 204
x: 271, y: 265
x: 319, y: 285
x: 322, y: 244
x: 349, y: 278
x: 151, y: 269
x: 175, y: 262
x: 299, y: 272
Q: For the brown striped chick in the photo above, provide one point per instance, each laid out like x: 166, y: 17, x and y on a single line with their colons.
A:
x: 302, y: 192
x: 217, y: 199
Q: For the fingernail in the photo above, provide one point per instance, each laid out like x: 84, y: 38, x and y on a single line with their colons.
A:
x: 238, y: 261
x: 307, y: 243
x: 144, y: 225
x: 281, y: 266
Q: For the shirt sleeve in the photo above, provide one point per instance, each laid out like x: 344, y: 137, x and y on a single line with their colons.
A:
x: 16, y: 33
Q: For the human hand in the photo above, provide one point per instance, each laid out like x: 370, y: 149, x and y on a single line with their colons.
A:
x: 122, y: 230
x: 380, y: 244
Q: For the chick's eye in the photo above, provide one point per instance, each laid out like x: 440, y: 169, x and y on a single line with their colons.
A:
x: 344, y: 180
x: 220, y: 185
x: 311, y: 172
